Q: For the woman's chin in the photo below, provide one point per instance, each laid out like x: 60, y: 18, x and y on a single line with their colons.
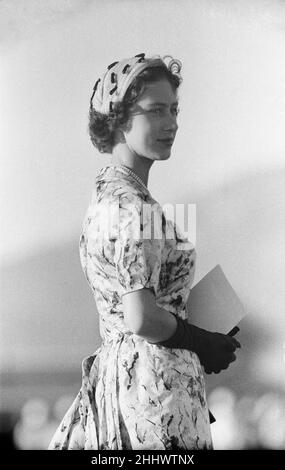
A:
x: 165, y: 156
x: 161, y: 156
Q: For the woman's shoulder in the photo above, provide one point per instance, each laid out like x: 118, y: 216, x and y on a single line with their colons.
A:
x: 124, y: 195
x: 113, y: 185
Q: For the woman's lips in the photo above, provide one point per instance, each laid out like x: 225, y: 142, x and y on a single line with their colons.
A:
x: 167, y: 142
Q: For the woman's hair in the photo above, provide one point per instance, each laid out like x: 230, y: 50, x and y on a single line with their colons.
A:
x: 102, y: 127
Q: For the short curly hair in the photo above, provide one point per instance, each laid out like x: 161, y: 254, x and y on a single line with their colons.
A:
x: 102, y: 127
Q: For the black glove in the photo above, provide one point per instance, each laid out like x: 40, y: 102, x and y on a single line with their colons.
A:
x: 215, y: 350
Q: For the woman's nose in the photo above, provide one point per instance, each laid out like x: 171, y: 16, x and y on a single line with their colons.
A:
x: 171, y: 123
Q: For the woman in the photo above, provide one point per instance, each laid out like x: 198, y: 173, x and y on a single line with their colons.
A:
x: 143, y: 388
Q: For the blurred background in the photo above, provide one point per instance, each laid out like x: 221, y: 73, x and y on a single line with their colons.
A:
x: 228, y: 159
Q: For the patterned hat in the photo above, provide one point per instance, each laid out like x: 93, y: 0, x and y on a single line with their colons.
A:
x: 111, y: 87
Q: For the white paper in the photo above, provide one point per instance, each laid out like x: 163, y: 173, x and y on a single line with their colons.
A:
x: 213, y: 304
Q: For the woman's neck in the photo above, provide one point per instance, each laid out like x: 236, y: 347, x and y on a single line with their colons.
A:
x: 139, y: 164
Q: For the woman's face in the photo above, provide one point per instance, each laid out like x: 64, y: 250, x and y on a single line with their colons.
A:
x: 153, y: 121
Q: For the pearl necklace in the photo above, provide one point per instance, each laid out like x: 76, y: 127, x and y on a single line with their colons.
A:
x: 129, y: 172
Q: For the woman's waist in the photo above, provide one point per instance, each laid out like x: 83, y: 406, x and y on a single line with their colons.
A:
x: 114, y: 335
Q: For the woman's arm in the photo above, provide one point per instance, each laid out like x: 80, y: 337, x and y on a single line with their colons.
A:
x: 144, y: 318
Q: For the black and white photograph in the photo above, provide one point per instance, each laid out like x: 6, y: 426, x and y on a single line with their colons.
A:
x: 142, y: 147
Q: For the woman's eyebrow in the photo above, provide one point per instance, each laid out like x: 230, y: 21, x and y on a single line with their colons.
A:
x: 163, y: 104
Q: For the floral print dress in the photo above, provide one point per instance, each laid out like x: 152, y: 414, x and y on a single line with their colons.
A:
x: 134, y: 394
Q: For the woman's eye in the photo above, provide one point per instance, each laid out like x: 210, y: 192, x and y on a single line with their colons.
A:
x: 157, y: 111
x: 160, y: 112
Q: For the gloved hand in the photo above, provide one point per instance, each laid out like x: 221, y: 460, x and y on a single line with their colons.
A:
x: 215, y: 350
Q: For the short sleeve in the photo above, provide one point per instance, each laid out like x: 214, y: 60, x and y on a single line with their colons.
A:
x: 139, y: 247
